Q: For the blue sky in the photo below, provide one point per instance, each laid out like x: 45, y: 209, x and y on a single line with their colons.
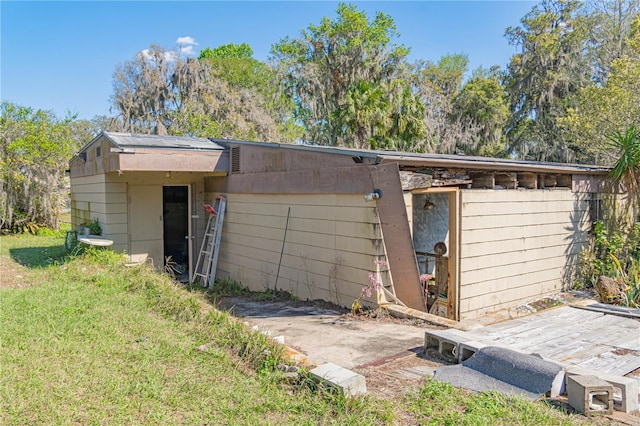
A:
x: 61, y: 56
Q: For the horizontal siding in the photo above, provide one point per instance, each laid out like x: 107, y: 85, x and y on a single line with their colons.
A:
x: 577, y: 229
x: 515, y: 275
x: 474, y: 307
x: 497, y: 260
x: 87, y: 199
x: 518, y: 245
x: 101, y: 187
x: 535, y: 207
x: 515, y: 243
x: 102, y: 197
x: 330, y: 248
x: 499, y: 222
x: 508, y: 196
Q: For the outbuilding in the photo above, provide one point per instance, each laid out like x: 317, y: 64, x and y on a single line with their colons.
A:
x: 453, y: 235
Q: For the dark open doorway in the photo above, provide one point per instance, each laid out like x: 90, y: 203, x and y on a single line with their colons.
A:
x: 175, y: 206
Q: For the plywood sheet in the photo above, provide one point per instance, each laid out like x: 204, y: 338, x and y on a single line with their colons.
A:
x: 586, y: 339
x: 397, y: 235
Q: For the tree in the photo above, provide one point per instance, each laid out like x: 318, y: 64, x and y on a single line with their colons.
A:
x: 228, y: 51
x: 221, y: 96
x: 436, y: 86
x: 610, y: 33
x: 35, y: 147
x: 482, y: 104
x: 335, y: 66
x: 626, y: 168
x: 603, y: 110
x: 542, y: 81
x: 234, y: 63
x: 143, y: 90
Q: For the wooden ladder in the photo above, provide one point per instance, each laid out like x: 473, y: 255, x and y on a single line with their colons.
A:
x: 208, y: 258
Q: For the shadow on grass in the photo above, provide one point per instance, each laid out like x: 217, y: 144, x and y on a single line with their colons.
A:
x: 37, y: 257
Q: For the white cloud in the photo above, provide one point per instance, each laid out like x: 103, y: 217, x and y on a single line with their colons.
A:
x: 188, y: 40
x: 187, y: 50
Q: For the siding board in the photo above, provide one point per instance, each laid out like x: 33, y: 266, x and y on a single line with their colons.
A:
x: 330, y: 248
x: 568, y: 229
x: 518, y: 245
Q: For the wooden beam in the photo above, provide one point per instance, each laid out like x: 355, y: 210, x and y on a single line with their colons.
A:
x: 548, y: 181
x: 482, y: 180
x: 528, y: 180
x: 564, y: 181
x: 411, y: 180
x: 507, y: 180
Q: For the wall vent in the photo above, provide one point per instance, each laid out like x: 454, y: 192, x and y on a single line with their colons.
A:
x: 235, y: 159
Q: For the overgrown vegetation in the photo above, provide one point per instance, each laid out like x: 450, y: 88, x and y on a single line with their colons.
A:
x: 614, y: 255
x: 612, y: 265
x: 35, y: 148
x: 94, y: 341
x: 439, y: 403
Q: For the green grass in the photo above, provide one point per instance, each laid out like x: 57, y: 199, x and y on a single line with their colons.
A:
x: 97, y: 342
x: 32, y: 250
x: 438, y: 403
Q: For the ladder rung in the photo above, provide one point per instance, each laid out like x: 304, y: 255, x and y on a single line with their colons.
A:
x: 211, y: 240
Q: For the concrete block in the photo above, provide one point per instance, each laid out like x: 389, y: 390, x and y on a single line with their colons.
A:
x: 625, y: 389
x: 590, y: 394
x: 445, y: 342
x: 468, y: 348
x: 333, y: 376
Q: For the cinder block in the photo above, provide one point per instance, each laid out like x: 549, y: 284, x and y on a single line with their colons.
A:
x: 333, y: 376
x: 445, y: 342
x: 625, y: 389
x: 467, y: 348
x: 590, y: 394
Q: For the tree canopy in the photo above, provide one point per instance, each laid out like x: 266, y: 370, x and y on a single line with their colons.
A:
x: 610, y: 108
x: 35, y: 147
x: 224, y: 94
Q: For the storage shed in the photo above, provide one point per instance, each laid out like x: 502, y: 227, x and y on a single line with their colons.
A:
x: 452, y: 235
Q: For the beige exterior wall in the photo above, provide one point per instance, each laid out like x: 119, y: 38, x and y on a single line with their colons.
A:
x: 107, y: 197
x: 331, y: 244
x: 92, y: 197
x: 518, y: 245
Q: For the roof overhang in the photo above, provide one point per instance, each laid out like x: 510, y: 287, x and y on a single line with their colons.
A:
x: 410, y: 159
x: 489, y: 164
x: 123, y: 152
x: 161, y: 160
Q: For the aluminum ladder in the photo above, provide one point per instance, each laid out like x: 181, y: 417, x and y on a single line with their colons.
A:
x: 208, y: 258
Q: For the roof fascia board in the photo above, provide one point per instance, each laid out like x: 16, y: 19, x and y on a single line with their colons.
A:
x: 435, y: 161
x: 493, y: 165
x: 313, y: 148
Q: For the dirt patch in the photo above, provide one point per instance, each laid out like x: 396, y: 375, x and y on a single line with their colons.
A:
x: 12, y: 274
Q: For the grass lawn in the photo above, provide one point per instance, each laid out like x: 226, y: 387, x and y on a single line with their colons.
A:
x: 88, y: 340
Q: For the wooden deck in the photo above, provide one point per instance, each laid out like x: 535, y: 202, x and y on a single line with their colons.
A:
x: 582, y: 338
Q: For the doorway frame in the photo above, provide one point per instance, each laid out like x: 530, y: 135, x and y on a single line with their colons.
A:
x: 453, y: 295
x: 190, y: 236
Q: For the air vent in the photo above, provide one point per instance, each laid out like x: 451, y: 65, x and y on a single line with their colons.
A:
x: 235, y: 159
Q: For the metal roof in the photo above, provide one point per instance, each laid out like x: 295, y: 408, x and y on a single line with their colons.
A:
x: 132, y: 141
